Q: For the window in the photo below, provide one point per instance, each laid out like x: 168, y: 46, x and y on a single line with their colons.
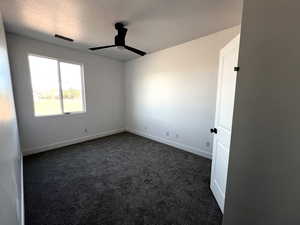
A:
x: 57, y: 86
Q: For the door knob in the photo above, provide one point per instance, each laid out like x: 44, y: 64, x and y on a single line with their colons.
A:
x: 214, y: 130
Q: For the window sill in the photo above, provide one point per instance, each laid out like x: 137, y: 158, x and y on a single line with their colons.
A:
x: 61, y: 115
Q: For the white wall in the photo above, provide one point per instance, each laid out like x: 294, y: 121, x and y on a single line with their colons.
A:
x: 104, y: 97
x: 11, y: 200
x: 263, y: 180
x: 174, y: 90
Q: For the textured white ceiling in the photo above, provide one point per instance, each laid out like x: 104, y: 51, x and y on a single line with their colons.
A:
x: 152, y: 24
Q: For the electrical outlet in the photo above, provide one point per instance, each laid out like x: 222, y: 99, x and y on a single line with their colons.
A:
x: 85, y: 130
x: 167, y: 133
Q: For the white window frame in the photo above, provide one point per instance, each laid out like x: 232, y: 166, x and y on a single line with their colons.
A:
x: 59, y: 60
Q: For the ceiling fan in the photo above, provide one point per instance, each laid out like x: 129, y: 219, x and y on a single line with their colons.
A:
x: 120, y: 41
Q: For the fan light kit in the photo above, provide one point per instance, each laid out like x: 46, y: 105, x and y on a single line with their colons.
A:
x: 120, y: 41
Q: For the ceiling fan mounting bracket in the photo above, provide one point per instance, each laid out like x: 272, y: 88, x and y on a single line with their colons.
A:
x: 119, y: 25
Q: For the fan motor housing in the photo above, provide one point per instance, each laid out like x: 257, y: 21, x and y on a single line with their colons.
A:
x: 119, y: 41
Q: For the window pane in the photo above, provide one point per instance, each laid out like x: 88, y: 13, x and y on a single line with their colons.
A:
x: 71, y: 82
x: 45, y: 85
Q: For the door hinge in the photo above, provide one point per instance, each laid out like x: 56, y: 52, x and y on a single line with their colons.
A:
x: 236, y: 69
x: 214, y: 130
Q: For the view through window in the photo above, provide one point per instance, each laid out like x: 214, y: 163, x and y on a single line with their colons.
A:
x: 57, y: 86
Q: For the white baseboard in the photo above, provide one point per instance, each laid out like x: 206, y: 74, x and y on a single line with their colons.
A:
x: 180, y: 146
x: 56, y: 145
x: 69, y: 142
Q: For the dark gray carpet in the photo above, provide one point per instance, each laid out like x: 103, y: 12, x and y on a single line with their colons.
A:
x: 122, y: 179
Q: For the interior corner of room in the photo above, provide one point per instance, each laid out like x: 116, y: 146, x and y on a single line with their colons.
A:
x: 149, y: 112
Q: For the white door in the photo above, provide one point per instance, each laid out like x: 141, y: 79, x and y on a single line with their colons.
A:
x: 223, y: 122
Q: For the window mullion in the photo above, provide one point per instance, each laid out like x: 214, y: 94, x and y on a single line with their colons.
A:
x: 60, y: 88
